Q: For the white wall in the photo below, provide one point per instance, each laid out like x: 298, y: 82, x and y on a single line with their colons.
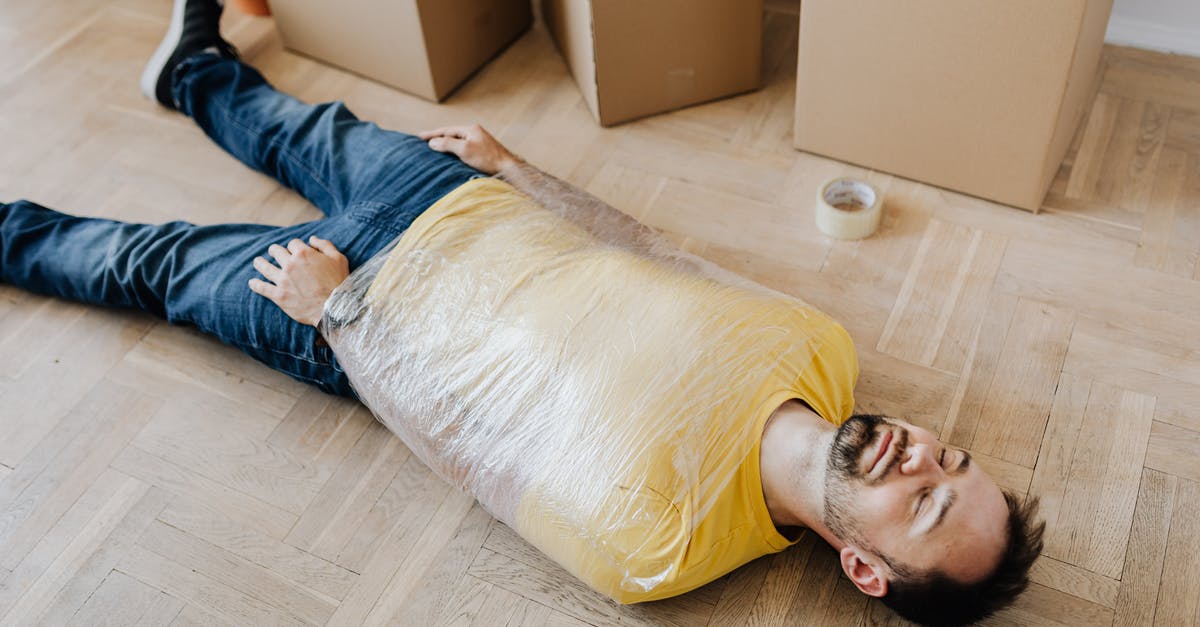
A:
x: 1166, y: 25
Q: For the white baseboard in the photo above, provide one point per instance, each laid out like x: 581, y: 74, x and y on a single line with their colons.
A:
x: 1123, y: 31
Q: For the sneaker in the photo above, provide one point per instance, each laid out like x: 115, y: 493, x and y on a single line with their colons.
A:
x: 195, y: 27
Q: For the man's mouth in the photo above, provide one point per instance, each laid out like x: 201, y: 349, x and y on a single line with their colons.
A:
x: 885, y: 441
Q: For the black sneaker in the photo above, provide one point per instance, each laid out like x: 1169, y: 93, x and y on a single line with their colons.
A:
x: 195, y: 27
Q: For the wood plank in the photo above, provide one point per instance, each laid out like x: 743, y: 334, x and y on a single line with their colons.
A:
x: 1101, y: 286
x: 630, y: 190
x: 76, y: 360
x: 1169, y: 241
x: 321, y: 430
x: 86, y: 579
x: 781, y: 585
x: 941, y: 300
x: 123, y: 600
x: 1096, y: 513
x: 193, y: 616
x: 249, y: 511
x: 1075, y: 581
x: 771, y: 229
x: 1052, y: 474
x: 412, y: 572
x: 1040, y: 605
x: 212, y: 442
x: 875, y: 266
x: 209, y: 594
x: 38, y: 594
x: 430, y: 596
x: 1174, y: 450
x: 741, y: 592
x: 890, y: 386
x: 168, y: 356
x: 69, y: 460
x: 479, y: 603
x: 1155, y: 80
x: 1096, y: 133
x: 1018, y: 401
x: 1007, y: 475
x: 396, y: 546
x: 201, y: 557
x: 1178, y: 602
x: 335, y: 515
x: 1136, y: 188
x: 824, y: 596
x: 1153, y: 361
x: 982, y: 363
x: 304, y: 569
x: 1138, y: 596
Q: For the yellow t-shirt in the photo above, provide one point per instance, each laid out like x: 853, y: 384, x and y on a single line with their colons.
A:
x: 638, y: 390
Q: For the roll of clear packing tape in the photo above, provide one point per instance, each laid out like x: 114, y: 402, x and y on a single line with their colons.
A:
x: 848, y: 208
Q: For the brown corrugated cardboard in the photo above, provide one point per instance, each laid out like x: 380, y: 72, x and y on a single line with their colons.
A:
x: 633, y: 58
x: 424, y: 47
x: 977, y: 96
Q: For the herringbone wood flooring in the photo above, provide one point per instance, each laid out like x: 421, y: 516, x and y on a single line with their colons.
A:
x: 149, y: 475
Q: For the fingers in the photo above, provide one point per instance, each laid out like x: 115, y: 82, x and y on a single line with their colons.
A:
x: 262, y: 288
x: 280, y: 254
x: 268, y: 269
x: 298, y: 247
x: 325, y: 246
x: 428, y: 135
x: 448, y: 144
x: 460, y: 132
x: 283, y: 256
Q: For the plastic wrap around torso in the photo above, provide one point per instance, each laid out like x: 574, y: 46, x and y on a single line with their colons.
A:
x: 599, y: 401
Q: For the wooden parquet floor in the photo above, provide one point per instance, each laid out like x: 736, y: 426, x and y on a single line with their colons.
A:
x: 150, y: 475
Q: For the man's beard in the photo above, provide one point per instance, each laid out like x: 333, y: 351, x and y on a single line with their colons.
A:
x: 844, y: 471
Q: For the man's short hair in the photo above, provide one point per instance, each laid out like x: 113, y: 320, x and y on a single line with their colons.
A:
x: 935, y: 599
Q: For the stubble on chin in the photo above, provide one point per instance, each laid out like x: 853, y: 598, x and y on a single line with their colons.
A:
x: 842, y: 471
x: 852, y: 439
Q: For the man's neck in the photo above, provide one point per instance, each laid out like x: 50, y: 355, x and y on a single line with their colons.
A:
x: 794, y: 452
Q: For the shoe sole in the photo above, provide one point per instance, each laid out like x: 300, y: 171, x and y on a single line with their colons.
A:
x: 154, y: 67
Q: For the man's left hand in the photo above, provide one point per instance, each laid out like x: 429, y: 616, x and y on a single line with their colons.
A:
x: 474, y: 145
x: 303, y: 279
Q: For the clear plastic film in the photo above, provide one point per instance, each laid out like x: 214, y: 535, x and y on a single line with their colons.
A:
x: 595, y: 388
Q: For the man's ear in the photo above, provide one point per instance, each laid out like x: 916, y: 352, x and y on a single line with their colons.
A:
x: 865, y: 571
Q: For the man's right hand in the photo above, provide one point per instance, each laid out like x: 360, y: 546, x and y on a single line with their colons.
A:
x: 305, y: 277
x: 474, y: 145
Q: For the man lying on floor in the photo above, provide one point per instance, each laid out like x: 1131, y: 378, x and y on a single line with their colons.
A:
x: 646, y: 419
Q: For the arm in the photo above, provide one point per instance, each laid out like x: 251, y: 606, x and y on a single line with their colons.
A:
x: 478, y: 149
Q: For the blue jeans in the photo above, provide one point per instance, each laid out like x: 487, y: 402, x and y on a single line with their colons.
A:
x: 369, y: 182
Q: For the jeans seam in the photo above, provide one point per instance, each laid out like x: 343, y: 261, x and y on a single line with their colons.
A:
x: 248, y: 345
x: 355, y: 212
x: 226, y: 112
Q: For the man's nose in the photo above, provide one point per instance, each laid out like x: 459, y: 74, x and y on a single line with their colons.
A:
x: 920, y: 459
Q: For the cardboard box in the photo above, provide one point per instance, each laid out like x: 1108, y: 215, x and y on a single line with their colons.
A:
x: 633, y: 58
x: 978, y: 96
x: 424, y: 47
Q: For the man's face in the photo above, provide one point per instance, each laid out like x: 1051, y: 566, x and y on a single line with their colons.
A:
x: 893, y: 490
